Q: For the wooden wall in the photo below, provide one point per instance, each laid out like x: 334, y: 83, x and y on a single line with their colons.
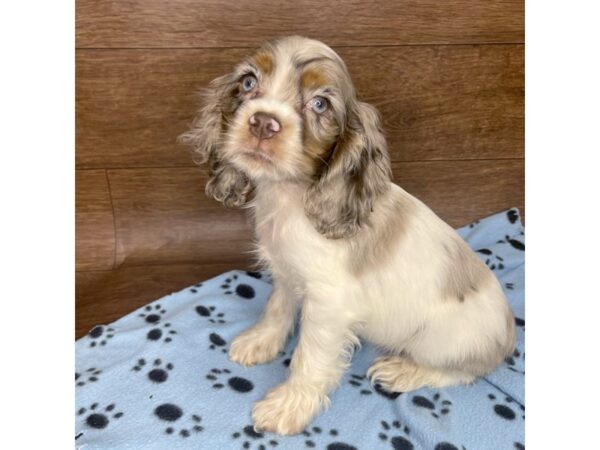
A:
x: 447, y: 76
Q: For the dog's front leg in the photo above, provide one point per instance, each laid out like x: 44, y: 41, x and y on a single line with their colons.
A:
x: 323, y: 352
x: 263, y: 341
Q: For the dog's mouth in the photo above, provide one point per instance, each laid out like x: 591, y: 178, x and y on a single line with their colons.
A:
x: 257, y: 154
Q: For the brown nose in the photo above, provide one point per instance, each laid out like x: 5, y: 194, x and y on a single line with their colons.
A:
x: 263, y: 125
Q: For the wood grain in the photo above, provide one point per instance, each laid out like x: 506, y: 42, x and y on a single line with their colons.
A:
x: 94, y: 229
x: 247, y: 23
x: 438, y: 102
x: 162, y: 216
x: 106, y: 295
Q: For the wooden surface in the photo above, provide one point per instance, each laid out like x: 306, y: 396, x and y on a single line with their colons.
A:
x: 437, y: 102
x: 448, y: 78
x: 247, y: 23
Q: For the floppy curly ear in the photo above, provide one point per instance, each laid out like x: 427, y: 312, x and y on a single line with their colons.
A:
x: 341, y: 200
x: 226, y: 184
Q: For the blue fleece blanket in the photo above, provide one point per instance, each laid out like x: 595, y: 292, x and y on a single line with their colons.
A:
x: 159, y: 378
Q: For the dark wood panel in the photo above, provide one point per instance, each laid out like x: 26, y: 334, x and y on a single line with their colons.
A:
x: 104, y: 296
x: 94, y: 229
x: 463, y: 191
x: 243, y: 23
x: 438, y: 102
x: 163, y: 216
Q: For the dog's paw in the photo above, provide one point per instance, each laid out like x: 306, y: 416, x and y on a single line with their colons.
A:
x: 287, y: 409
x: 255, y: 346
x: 396, y: 374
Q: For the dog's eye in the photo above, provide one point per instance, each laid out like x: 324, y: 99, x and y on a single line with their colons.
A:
x: 319, y: 104
x: 248, y: 83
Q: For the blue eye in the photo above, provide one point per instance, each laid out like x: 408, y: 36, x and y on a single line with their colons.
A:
x: 248, y: 83
x: 319, y: 104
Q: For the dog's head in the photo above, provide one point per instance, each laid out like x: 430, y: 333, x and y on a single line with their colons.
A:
x: 290, y: 112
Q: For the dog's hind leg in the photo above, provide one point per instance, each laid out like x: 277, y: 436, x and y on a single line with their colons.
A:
x: 401, y: 374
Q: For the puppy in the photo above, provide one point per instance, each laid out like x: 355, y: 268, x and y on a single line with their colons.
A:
x: 353, y: 254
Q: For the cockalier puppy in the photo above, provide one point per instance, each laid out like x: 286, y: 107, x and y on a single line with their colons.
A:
x: 354, y: 254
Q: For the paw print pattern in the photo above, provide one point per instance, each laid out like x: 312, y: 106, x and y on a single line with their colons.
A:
x: 492, y: 261
x: 514, y: 243
x: 474, y: 224
x: 88, y: 376
x: 517, y: 358
x: 509, y: 286
x: 194, y: 289
x: 217, y: 341
x: 153, y: 314
x: 310, y: 443
x: 512, y: 215
x: 436, y: 405
x: 99, y: 418
x: 241, y: 290
x: 400, y: 441
x: 209, y: 311
x: 100, y: 335
x: 159, y: 373
x: 361, y: 383
x: 520, y: 322
x: 507, y: 409
x: 168, y: 412
x: 237, y: 384
x: 250, y: 437
x: 162, y: 333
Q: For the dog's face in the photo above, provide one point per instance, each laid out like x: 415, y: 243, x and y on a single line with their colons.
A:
x: 289, y: 112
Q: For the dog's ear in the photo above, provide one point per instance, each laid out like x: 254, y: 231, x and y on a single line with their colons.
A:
x: 226, y: 184
x: 341, y: 199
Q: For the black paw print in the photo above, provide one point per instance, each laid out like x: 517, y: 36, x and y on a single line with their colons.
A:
x: 520, y: 322
x: 217, y: 341
x: 519, y: 446
x: 509, y: 286
x: 492, y: 261
x: 474, y: 224
x: 512, y: 215
x: 361, y: 383
x: 506, y: 409
x: 194, y: 289
x: 513, y: 242
x: 512, y: 360
x: 88, y: 376
x: 332, y: 446
x: 241, y: 290
x: 169, y: 412
x: 255, y: 437
x: 436, y: 405
x: 165, y: 334
x: 159, y: 373
x: 238, y: 384
x: 400, y: 441
x: 99, y: 418
x: 256, y: 275
x: 100, y: 335
x: 153, y: 314
x: 205, y: 311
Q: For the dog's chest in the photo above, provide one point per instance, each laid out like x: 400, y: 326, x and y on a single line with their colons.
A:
x: 287, y: 239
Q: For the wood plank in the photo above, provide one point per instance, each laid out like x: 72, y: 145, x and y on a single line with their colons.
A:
x: 438, y: 102
x: 247, y: 23
x: 162, y: 216
x: 463, y: 191
x: 104, y: 296
x: 94, y: 228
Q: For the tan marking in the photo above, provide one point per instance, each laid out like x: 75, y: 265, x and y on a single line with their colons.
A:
x: 264, y: 61
x: 313, y: 78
